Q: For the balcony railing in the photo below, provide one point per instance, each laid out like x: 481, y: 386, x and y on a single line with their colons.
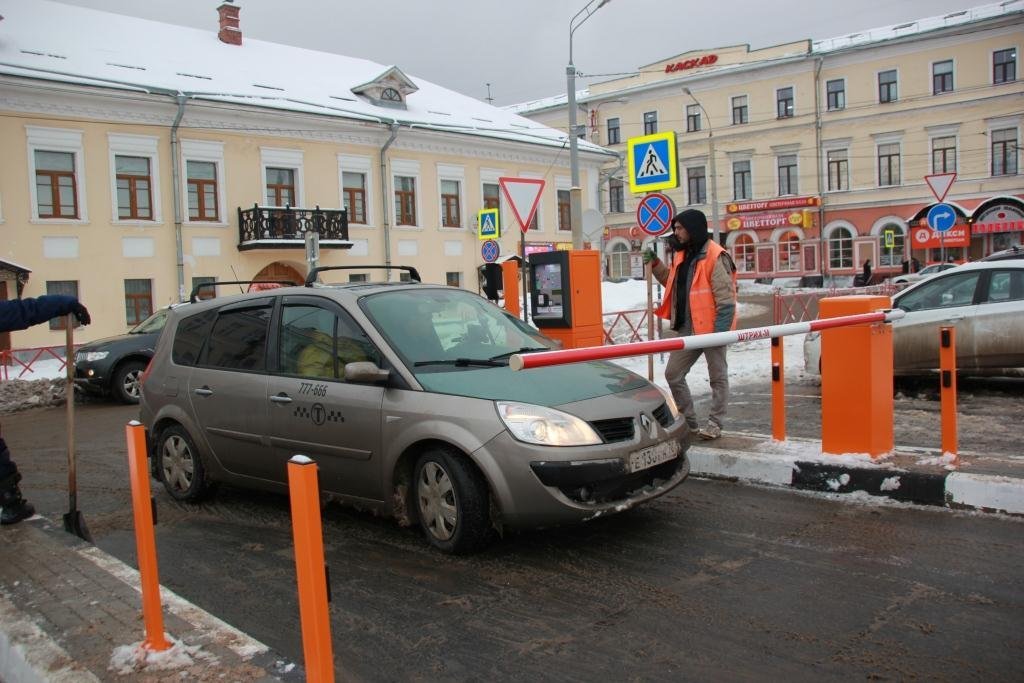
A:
x: 286, y: 227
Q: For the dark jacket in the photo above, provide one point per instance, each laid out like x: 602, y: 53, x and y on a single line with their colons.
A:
x: 20, y: 314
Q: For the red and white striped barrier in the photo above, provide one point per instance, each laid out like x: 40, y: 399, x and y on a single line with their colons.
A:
x: 542, y: 359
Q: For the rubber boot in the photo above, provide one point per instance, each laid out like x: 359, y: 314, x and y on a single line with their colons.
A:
x: 15, y: 508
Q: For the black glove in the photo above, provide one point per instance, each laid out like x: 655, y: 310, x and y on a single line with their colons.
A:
x: 650, y: 256
x: 81, y: 313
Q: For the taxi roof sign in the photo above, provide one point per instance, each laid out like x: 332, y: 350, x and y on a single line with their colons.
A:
x: 652, y: 162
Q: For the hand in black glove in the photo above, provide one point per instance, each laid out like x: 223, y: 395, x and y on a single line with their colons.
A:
x: 81, y: 313
x: 650, y: 256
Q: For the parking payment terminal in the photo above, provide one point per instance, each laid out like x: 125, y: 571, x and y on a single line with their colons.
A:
x: 565, y: 296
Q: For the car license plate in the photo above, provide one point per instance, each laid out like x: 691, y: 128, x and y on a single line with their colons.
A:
x: 653, y: 455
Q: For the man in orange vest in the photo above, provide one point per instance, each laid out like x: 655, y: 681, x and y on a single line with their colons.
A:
x: 700, y: 297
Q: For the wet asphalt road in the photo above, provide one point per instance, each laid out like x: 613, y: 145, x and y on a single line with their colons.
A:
x: 717, y: 580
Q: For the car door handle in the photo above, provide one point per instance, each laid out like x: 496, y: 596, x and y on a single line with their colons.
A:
x: 281, y: 398
x: 203, y: 391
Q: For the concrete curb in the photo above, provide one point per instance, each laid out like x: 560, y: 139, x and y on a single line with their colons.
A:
x: 923, y: 485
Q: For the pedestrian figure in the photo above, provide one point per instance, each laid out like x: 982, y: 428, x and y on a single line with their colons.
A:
x: 700, y: 297
x: 20, y: 314
x: 865, y: 276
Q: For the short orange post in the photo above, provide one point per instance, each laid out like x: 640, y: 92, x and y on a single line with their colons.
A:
x: 778, y: 391
x: 311, y: 574
x: 947, y: 372
x: 145, y: 539
x: 856, y: 379
x: 510, y: 285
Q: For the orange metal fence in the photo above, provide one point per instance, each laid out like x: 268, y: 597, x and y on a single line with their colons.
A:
x: 801, y: 306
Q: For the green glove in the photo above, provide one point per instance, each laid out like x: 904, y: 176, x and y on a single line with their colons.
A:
x: 650, y: 256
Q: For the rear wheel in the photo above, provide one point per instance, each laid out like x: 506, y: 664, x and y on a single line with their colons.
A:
x: 125, y: 383
x: 180, y: 465
x: 451, y: 501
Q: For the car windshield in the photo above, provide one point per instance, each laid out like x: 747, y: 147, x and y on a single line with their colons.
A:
x: 153, y: 323
x: 445, y: 330
x: 945, y: 292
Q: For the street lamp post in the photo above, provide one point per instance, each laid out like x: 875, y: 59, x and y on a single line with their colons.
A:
x: 576, y: 193
x: 714, y: 176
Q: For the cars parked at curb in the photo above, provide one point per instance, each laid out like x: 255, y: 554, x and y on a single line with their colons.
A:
x: 403, y: 396
x: 923, y: 274
x: 985, y: 302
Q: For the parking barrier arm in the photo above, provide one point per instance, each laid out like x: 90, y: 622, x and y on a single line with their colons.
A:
x: 524, y: 361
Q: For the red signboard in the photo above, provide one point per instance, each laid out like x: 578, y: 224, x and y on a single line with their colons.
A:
x: 772, y: 204
x: 706, y: 60
x: 777, y: 219
x: 925, y: 238
x: 1001, y: 226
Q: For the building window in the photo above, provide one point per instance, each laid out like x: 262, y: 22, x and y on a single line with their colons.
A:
x: 743, y: 254
x: 789, y: 252
x: 453, y: 279
x: 739, y: 110
x: 838, y: 170
x: 353, y: 190
x: 784, y: 102
x: 564, y: 213
x: 840, y: 249
x: 650, y: 122
x: 942, y: 77
x: 56, y: 187
x: 450, y: 215
x: 696, y: 185
x: 405, y: 276
x: 618, y: 262
x: 692, y: 118
x: 616, y: 196
x: 134, y: 198
x: 492, y: 196
x: 205, y: 292
x: 138, y: 300
x: 835, y: 94
x: 65, y: 288
x: 614, y: 135
x: 741, y: 180
x: 201, y: 181
x: 887, y: 86
x: 1004, y: 66
x: 405, y: 200
x: 280, y: 186
x: 889, y: 164
x: 944, y: 154
x: 787, y: 175
x: 357, y: 277
x: 1004, y: 151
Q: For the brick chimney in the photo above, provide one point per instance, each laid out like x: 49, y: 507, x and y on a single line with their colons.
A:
x: 229, y: 32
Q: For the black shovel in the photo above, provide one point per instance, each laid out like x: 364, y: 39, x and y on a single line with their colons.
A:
x: 74, y: 523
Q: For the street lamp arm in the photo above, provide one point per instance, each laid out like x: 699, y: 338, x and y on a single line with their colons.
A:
x: 587, y: 11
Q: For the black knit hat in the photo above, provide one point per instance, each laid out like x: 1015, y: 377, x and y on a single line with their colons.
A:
x: 696, y: 224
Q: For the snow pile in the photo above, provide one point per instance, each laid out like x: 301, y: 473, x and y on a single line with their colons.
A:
x: 22, y: 394
x: 135, y: 658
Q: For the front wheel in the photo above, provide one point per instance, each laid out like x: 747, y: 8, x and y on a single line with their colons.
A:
x: 180, y: 466
x: 451, y: 501
x: 125, y: 382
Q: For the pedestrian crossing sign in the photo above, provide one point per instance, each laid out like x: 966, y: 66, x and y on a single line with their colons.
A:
x: 487, y: 224
x: 652, y: 162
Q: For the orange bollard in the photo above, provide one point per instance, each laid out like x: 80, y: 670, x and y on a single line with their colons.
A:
x: 145, y: 539
x: 510, y: 285
x: 856, y: 379
x: 310, y: 571
x: 778, y: 391
x: 947, y: 391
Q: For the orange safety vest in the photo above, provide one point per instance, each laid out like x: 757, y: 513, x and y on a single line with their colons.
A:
x: 701, y: 304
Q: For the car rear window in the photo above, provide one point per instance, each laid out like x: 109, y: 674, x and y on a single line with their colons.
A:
x: 189, y: 337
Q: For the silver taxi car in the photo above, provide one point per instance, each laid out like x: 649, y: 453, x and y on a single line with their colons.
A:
x: 402, y: 395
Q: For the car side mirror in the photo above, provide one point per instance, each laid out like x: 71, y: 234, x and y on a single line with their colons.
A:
x: 365, y: 372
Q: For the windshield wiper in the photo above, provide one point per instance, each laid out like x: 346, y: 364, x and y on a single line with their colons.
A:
x: 461, y: 362
x: 525, y: 349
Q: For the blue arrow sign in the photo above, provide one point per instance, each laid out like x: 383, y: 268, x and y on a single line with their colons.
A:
x: 941, y: 217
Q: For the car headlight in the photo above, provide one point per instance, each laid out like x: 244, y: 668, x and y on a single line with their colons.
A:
x: 545, y: 426
x: 671, y: 402
x: 90, y: 356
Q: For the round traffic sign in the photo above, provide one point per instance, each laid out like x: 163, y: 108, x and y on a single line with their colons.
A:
x: 490, y: 250
x: 654, y: 213
x: 941, y: 217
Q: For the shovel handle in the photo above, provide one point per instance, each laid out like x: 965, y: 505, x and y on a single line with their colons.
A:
x: 69, y: 401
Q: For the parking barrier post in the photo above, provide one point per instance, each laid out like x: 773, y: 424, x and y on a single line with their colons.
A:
x: 310, y: 570
x: 145, y: 539
x: 947, y: 372
x: 778, y: 391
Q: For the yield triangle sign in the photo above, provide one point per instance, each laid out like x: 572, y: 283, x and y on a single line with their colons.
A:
x: 940, y: 184
x: 523, y: 194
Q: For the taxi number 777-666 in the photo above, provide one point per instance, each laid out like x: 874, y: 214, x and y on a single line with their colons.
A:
x: 652, y: 455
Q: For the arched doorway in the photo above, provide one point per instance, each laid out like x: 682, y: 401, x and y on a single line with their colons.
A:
x: 789, y: 252
x: 280, y: 271
x: 743, y: 253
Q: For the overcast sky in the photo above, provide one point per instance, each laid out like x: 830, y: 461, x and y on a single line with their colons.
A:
x: 521, y: 47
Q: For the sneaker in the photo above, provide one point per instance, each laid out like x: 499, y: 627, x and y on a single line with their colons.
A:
x: 694, y: 429
x: 710, y: 431
x: 15, y: 512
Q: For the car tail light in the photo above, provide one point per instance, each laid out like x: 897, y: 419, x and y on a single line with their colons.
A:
x: 145, y: 373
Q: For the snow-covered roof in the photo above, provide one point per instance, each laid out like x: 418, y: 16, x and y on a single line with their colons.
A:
x: 47, y: 40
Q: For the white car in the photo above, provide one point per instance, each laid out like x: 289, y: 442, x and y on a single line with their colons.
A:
x: 923, y: 274
x: 984, y: 300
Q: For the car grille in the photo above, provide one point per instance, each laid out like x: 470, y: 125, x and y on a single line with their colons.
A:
x: 615, y: 429
x: 663, y: 415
